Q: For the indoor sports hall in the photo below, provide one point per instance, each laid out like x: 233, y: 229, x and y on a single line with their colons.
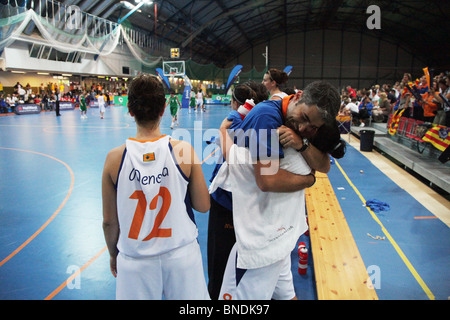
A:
x: 378, y: 220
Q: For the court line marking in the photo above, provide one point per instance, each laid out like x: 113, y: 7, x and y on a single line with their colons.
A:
x: 426, y: 217
x: 87, y: 264
x: 72, y: 177
x: 75, y: 274
x: 210, y: 155
x: 127, y: 125
x: 390, y: 238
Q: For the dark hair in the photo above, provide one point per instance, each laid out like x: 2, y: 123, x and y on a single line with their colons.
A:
x: 146, y: 98
x: 260, y: 90
x: 325, y: 97
x: 279, y: 76
x: 289, y: 91
x: 243, y: 92
x: 328, y: 139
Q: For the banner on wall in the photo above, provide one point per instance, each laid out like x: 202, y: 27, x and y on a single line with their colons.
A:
x: 93, y: 104
x: 121, y: 100
x: 66, y: 105
x: 21, y: 109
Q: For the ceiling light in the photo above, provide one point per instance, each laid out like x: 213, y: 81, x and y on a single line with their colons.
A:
x: 127, y: 4
x: 145, y: 1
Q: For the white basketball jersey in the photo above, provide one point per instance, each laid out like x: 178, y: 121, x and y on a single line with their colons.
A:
x: 153, y: 204
x: 267, y: 224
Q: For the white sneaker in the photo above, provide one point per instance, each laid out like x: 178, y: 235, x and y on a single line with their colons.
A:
x: 362, y: 125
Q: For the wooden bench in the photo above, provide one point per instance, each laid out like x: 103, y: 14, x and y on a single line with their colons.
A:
x: 340, y: 272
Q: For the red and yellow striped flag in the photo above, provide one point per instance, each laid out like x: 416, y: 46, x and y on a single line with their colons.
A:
x: 394, y: 121
x: 438, y: 136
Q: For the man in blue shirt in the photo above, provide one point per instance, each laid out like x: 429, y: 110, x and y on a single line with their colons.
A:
x: 297, y: 118
x: 365, y: 110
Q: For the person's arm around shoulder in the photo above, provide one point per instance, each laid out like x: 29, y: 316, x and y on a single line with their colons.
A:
x: 270, y: 178
x: 190, y: 165
x: 268, y: 175
x: 109, y: 195
x: 225, y: 140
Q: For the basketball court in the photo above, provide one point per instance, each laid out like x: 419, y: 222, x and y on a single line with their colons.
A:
x: 52, y: 244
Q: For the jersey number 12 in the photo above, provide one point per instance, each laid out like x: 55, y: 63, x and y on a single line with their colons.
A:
x: 141, y: 208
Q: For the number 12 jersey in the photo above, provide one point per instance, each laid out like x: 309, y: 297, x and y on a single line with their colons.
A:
x: 153, y: 203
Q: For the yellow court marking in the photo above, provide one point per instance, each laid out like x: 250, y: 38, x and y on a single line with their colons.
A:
x: 391, y: 240
x: 23, y: 245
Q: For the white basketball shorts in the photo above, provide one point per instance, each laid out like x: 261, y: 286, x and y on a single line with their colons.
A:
x: 175, y: 275
x: 270, y: 282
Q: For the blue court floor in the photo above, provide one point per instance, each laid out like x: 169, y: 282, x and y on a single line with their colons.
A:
x: 51, y: 238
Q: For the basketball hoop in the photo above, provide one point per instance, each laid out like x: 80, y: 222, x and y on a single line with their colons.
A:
x: 174, y: 68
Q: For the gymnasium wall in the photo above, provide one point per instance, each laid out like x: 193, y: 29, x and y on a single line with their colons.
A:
x: 339, y: 57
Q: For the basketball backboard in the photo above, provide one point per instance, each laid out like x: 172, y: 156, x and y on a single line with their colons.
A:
x: 174, y: 68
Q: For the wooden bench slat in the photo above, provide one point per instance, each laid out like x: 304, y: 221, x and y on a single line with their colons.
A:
x: 339, y: 269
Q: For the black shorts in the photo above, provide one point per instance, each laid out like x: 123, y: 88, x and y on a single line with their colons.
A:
x: 221, y: 239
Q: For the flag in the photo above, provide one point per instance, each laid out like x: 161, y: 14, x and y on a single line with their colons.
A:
x: 149, y: 157
x: 438, y: 136
x: 427, y: 75
x: 394, y: 122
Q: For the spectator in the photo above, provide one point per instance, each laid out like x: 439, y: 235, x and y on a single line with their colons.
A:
x: 351, y: 92
x: 45, y: 104
x: 441, y: 114
x: 365, y: 110
x: 418, y: 105
x: 381, y: 113
x: 352, y: 108
x: 11, y: 101
x: 3, y: 105
x: 392, y: 96
x: 430, y: 104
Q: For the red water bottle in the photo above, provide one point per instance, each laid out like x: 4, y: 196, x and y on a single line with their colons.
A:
x: 301, y: 245
x: 303, y: 258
